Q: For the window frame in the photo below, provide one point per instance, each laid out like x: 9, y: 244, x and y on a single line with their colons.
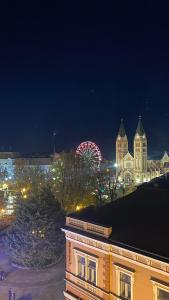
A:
x: 88, y: 260
x: 124, y: 270
x: 80, y: 256
x: 87, y: 257
x: 158, y: 285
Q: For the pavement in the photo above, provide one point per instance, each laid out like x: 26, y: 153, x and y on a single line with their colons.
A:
x: 46, y: 284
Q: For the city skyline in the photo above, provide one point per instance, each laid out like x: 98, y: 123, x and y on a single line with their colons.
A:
x: 109, y: 154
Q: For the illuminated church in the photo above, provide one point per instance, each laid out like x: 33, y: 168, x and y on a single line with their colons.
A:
x: 136, y: 168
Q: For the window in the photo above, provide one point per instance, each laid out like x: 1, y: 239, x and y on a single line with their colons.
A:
x: 160, y: 289
x: 125, y: 286
x: 86, y: 266
x: 81, y: 266
x: 162, y: 295
x: 124, y: 282
x: 92, y: 271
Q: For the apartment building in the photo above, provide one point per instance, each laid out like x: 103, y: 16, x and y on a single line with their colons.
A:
x: 120, y: 250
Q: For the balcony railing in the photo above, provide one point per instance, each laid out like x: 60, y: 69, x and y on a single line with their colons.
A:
x: 89, y: 227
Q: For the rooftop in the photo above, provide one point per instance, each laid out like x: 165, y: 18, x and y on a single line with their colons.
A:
x: 139, y: 220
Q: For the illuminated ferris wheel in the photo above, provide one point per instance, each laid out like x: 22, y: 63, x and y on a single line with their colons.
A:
x: 90, y: 153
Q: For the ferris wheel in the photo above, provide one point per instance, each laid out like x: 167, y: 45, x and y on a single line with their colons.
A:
x: 90, y: 153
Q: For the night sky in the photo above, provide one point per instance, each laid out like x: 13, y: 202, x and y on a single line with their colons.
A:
x: 76, y: 69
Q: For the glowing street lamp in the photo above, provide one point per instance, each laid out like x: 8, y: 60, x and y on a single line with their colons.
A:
x: 2, y: 211
x: 23, y: 190
x: 5, y: 186
x: 116, y: 165
x: 77, y: 208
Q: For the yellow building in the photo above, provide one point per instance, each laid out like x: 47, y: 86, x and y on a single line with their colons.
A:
x: 135, y: 169
x: 120, y: 251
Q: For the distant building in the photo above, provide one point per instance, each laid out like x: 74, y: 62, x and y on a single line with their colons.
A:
x: 8, y: 161
x: 120, y: 250
x: 37, y: 161
x: 136, y: 168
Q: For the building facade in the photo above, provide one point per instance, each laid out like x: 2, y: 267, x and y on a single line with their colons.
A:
x: 9, y: 161
x: 96, y: 270
x: 136, y: 168
x: 99, y: 267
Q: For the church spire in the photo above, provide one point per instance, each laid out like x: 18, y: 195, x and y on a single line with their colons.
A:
x: 122, y: 132
x: 140, y: 130
x: 121, y: 145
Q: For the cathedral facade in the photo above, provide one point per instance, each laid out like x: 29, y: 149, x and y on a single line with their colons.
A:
x: 136, y: 168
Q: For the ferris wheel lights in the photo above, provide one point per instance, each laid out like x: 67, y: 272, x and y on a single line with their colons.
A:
x: 90, y: 153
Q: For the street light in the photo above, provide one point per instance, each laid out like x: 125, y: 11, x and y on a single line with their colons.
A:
x: 2, y: 211
x: 5, y: 186
x: 23, y: 190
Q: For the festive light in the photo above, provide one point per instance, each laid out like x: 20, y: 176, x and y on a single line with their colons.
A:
x: 90, y: 153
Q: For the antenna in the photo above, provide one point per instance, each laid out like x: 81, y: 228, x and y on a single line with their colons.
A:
x: 54, y: 140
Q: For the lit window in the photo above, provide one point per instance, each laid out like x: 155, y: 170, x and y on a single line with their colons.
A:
x: 160, y: 290
x: 125, y: 282
x: 86, y: 266
x: 125, y: 286
x: 162, y: 295
x: 92, y: 271
x: 81, y: 266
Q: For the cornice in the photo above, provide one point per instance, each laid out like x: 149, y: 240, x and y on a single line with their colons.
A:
x: 119, y: 252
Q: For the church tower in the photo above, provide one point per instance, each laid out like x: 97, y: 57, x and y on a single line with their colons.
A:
x: 121, y: 145
x: 140, y: 149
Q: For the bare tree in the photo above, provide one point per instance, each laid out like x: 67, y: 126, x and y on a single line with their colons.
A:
x: 107, y: 185
x: 28, y: 179
x: 72, y: 182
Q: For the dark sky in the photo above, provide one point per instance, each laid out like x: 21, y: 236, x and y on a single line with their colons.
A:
x: 77, y: 69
